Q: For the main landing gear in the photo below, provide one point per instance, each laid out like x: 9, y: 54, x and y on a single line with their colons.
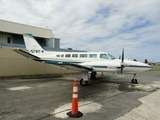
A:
x: 84, y: 80
x: 134, y: 80
x: 93, y: 75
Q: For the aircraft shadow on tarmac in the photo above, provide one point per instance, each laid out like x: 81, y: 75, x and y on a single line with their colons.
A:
x: 106, y: 86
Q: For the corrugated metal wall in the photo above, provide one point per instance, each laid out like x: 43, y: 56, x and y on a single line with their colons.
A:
x: 17, y: 28
x: 15, y: 31
x: 57, y: 43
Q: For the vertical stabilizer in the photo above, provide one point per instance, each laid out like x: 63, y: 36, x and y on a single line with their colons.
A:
x: 32, y: 46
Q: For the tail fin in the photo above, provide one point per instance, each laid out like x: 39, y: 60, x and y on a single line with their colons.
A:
x: 32, y: 45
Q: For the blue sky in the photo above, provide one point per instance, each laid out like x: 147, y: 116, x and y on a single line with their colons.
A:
x: 94, y: 25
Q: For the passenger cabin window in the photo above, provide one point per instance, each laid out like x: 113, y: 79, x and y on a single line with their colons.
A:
x: 62, y: 55
x: 68, y: 55
x: 92, y: 55
x: 74, y: 55
x: 104, y: 56
x: 57, y: 55
x: 111, y: 56
x: 83, y: 55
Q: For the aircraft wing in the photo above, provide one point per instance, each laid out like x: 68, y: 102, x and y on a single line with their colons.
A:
x: 81, y: 67
x: 26, y: 54
x: 72, y: 66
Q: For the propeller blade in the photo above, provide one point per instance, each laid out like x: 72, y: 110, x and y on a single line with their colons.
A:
x: 123, y: 55
x: 122, y: 66
x: 122, y: 69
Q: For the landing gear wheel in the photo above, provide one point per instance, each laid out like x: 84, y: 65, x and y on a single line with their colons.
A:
x: 83, y: 82
x: 93, y: 75
x: 134, y: 81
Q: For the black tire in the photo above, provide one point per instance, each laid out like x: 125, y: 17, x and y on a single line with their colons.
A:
x: 136, y: 81
x: 132, y: 81
x: 93, y: 75
x: 83, y: 82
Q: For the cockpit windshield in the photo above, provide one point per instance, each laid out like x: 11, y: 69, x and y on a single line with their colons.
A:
x: 111, y: 57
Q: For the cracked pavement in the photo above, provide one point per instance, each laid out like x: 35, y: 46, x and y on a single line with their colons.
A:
x: 34, y: 99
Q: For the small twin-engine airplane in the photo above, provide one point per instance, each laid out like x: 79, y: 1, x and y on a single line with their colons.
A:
x: 86, y: 62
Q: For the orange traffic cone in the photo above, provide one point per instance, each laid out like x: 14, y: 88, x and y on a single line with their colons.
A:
x: 75, y: 113
x: 102, y: 74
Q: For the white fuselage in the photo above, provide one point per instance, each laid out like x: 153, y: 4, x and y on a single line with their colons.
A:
x: 100, y: 61
x: 83, y: 61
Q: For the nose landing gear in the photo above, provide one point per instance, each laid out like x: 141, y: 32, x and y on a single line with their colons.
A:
x: 134, y: 80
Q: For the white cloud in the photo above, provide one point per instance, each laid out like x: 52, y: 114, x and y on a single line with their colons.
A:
x: 94, y: 25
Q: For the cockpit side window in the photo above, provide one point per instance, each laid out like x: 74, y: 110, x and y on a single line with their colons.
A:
x: 111, y: 57
x: 104, y: 56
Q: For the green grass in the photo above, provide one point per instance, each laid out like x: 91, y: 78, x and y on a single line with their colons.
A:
x: 155, y: 68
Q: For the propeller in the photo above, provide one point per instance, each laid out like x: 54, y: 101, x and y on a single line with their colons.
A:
x: 122, y: 63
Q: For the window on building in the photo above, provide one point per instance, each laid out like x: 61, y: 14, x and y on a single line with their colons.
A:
x: 74, y: 55
x: 83, y: 55
x: 92, y: 55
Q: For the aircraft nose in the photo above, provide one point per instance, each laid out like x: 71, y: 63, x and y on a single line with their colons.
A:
x: 137, y: 66
x: 149, y: 66
x: 145, y: 66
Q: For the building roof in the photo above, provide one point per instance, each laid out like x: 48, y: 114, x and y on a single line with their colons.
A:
x: 18, y: 28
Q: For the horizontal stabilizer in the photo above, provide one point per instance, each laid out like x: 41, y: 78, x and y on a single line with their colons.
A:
x: 25, y: 54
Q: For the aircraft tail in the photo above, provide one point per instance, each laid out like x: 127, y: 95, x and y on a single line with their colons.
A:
x: 32, y: 46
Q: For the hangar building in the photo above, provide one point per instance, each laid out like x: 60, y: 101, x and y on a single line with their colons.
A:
x: 13, y: 64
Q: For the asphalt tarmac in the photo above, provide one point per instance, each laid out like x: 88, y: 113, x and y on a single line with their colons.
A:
x: 106, y: 98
